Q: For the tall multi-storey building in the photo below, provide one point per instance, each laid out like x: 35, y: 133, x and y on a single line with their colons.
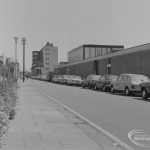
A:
x: 45, y: 60
x: 50, y: 57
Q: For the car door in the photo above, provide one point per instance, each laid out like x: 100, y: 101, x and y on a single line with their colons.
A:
x: 117, y: 83
x: 124, y: 83
x: 87, y: 80
x: 101, y: 82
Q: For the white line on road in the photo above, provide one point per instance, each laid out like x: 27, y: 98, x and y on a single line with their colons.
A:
x: 118, y: 141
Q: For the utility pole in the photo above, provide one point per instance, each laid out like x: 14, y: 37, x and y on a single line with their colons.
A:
x: 16, y: 69
x: 23, y: 42
x: 16, y: 41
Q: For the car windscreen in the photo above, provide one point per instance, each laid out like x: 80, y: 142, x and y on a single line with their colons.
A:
x: 140, y: 78
x: 112, y: 77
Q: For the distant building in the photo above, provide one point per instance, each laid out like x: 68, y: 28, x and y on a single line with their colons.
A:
x: 88, y: 51
x: 37, y: 62
x: 50, y: 57
x: 86, y: 59
x: 44, y: 60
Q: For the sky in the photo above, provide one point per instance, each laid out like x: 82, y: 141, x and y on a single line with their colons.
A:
x: 71, y: 23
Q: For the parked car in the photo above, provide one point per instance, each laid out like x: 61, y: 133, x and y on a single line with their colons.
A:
x: 43, y: 78
x: 57, y: 79
x: 145, y: 89
x: 66, y: 79
x: 76, y: 80
x: 50, y: 76
x: 129, y: 83
x: 104, y: 83
x: 90, y: 81
x: 54, y: 79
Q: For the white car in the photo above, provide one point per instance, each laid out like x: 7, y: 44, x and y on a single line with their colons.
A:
x: 76, y: 80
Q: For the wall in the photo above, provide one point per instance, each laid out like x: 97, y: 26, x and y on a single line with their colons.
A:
x: 135, y: 62
x: 138, y: 62
x: 82, y: 69
x: 102, y: 65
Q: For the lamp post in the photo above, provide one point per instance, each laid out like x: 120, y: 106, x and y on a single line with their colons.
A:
x: 16, y: 41
x: 15, y: 73
x: 23, y: 42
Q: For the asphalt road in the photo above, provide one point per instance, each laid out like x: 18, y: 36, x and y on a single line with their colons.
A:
x: 117, y: 114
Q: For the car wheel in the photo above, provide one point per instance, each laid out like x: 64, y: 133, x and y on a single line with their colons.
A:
x: 127, y: 92
x: 112, y: 90
x: 95, y: 87
x: 144, y: 94
x: 89, y: 86
x: 82, y: 85
x: 104, y: 89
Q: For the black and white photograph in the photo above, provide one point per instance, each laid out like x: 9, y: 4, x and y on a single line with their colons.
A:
x: 74, y: 75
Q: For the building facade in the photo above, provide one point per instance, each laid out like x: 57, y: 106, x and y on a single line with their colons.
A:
x: 37, y: 62
x: 44, y: 60
x: 90, y: 51
x: 130, y: 60
x: 50, y: 58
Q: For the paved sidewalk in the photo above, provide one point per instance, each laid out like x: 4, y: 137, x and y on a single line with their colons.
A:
x: 38, y: 125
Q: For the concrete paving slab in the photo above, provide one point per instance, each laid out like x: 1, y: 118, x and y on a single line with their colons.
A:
x: 34, y: 144
x: 14, y: 144
x: 14, y: 135
x: 52, y: 144
x: 78, y: 143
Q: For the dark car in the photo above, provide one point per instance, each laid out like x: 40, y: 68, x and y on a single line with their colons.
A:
x: 50, y: 76
x: 104, y: 83
x: 90, y: 81
x: 145, y: 89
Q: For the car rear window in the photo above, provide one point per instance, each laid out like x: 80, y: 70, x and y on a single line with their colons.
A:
x: 95, y: 77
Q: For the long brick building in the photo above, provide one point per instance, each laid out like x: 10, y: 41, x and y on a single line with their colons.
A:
x: 111, y: 60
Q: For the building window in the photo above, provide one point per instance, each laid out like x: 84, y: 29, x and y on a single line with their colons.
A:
x: 109, y: 61
x: 46, y: 63
x: 46, y: 53
x: 93, y: 52
x: 108, y: 50
x: 35, y: 53
x: 46, y: 49
x: 47, y: 68
x: 46, y: 58
x: 87, y: 53
x: 108, y: 70
x: 103, y: 51
x: 98, y: 51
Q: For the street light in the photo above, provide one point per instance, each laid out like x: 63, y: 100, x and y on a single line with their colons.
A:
x: 16, y: 69
x: 16, y: 41
x: 23, y: 42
